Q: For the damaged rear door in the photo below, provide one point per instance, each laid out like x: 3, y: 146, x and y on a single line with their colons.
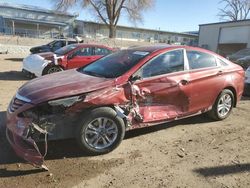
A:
x: 163, y: 91
x: 208, y: 77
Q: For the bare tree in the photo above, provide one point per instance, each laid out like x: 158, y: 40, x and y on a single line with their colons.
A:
x: 235, y: 10
x: 109, y: 11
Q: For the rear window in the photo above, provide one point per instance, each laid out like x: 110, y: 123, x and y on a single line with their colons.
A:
x: 223, y: 63
x: 101, y: 51
x: 65, y: 49
x: 198, y: 60
x: 71, y: 42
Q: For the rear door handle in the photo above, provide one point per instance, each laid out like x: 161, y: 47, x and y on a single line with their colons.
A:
x: 219, y: 72
x: 184, y: 82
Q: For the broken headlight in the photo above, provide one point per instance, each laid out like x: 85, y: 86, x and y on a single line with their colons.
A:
x: 66, y: 102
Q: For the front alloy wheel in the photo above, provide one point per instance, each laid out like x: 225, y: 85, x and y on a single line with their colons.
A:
x: 100, y: 131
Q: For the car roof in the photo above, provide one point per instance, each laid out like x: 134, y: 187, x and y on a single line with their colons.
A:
x: 91, y: 45
x: 150, y: 48
x: 153, y: 48
x: 65, y: 40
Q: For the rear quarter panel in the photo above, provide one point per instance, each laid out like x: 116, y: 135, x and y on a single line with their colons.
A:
x: 235, y: 77
x: 238, y: 78
x: 206, y: 86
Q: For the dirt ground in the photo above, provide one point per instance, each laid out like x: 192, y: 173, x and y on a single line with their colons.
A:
x: 195, y: 152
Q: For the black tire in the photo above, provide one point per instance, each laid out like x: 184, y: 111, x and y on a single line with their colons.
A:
x: 51, y: 69
x: 91, y: 118
x: 214, y: 113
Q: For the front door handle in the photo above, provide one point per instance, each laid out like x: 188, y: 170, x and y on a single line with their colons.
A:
x: 184, y: 82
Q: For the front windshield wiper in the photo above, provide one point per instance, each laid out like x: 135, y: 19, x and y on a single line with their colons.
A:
x: 93, y: 74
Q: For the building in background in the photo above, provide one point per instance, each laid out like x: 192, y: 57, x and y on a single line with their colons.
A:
x: 99, y: 30
x: 225, y: 38
x: 32, y: 21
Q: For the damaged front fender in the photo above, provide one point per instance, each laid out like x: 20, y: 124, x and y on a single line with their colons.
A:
x: 28, y: 131
x: 58, y: 118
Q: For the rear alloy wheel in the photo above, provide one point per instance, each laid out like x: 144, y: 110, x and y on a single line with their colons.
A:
x: 101, y: 131
x: 223, y: 105
x: 52, y: 69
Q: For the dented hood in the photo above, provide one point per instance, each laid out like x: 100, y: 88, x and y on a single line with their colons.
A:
x: 62, y: 84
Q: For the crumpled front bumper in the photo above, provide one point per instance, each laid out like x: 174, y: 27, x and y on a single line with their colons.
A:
x: 25, y: 147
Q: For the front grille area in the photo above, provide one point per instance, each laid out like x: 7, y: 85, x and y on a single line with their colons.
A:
x: 15, y: 104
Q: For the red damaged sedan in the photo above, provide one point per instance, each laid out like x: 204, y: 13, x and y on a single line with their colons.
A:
x: 129, y: 89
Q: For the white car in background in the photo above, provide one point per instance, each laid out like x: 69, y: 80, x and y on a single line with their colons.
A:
x: 247, y: 82
x: 35, y: 64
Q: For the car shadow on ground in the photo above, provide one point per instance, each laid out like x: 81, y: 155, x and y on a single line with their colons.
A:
x: 13, y: 76
x: 4, y: 173
x: 187, y: 121
x: 14, y: 59
x: 223, y: 170
x: 63, y: 148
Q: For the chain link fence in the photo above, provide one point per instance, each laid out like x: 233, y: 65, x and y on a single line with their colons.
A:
x: 31, y: 33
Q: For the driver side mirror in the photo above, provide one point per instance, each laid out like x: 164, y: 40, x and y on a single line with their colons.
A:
x: 135, y: 78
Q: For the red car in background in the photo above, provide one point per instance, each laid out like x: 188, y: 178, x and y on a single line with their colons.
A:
x: 68, y: 57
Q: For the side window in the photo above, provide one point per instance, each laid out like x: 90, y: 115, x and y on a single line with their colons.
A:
x: 165, y: 63
x: 63, y: 43
x: 222, y: 62
x: 198, y: 60
x: 102, y: 51
x: 71, y: 42
x: 58, y: 44
x: 84, y: 52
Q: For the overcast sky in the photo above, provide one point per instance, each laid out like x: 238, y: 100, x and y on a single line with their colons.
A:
x: 168, y: 15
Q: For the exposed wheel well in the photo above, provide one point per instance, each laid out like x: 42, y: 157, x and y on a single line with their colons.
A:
x: 125, y: 121
x: 235, y: 95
